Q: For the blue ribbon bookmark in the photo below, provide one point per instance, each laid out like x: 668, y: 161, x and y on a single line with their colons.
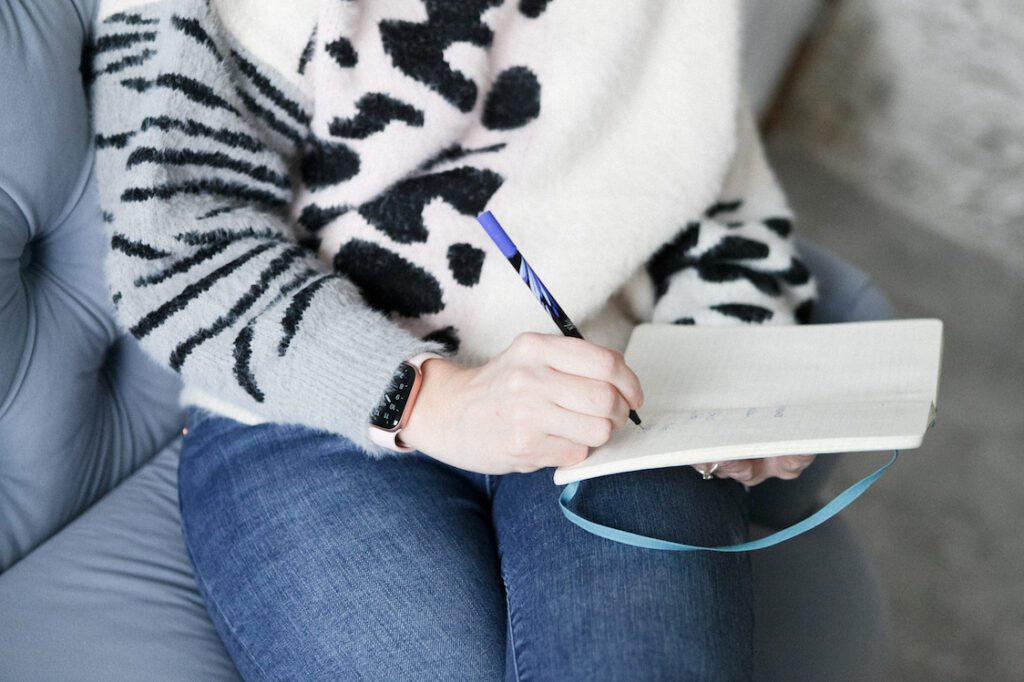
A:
x: 841, y: 501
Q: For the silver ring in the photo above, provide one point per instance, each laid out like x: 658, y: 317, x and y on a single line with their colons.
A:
x: 708, y: 474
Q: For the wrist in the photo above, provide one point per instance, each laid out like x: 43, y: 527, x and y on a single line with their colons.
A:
x: 424, y: 426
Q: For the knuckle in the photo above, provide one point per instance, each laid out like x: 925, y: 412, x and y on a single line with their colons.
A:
x: 743, y: 475
x: 574, y: 454
x: 793, y: 465
x: 526, y: 342
x: 582, y: 453
x: 607, y: 360
x: 602, y: 431
x: 517, y: 379
x: 605, y: 398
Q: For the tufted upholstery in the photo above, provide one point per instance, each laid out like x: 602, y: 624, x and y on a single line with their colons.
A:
x: 80, y: 406
x: 111, y: 594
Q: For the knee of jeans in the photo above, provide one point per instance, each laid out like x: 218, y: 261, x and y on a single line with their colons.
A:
x: 672, y: 503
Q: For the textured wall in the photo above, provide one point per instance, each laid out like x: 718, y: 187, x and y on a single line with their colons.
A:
x: 922, y: 104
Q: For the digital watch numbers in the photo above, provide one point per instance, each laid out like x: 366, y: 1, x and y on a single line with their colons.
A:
x: 388, y: 412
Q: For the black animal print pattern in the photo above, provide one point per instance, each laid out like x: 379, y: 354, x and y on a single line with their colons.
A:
x: 202, y: 151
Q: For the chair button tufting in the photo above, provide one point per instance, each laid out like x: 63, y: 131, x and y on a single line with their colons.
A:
x: 26, y: 256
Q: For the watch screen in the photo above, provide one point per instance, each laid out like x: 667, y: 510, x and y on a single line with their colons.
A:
x: 388, y: 412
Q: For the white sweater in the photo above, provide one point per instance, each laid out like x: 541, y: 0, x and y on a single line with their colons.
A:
x: 291, y: 188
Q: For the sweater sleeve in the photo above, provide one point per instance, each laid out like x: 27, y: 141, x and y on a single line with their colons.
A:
x: 737, y: 263
x: 197, y: 144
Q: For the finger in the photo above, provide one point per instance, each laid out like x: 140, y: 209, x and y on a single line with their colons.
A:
x: 788, y: 467
x: 580, y: 428
x: 805, y: 460
x: 556, y: 451
x: 761, y: 473
x: 582, y: 358
x: 587, y: 396
x: 742, y: 470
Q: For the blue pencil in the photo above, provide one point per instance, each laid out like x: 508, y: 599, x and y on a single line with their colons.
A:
x: 530, y: 278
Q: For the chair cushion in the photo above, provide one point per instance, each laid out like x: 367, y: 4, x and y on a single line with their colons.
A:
x: 819, y: 609
x: 112, y: 596
x: 81, y: 406
x: 845, y: 292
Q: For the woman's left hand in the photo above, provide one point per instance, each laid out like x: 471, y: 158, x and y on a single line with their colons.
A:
x: 750, y: 472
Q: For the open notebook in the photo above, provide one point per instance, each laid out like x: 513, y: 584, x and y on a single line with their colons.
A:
x: 719, y: 393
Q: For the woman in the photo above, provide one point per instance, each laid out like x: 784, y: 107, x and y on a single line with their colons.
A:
x: 290, y: 190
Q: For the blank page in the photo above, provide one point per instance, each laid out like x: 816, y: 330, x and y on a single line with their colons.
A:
x: 719, y: 393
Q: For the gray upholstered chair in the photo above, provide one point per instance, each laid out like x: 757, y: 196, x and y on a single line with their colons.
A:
x: 95, y: 582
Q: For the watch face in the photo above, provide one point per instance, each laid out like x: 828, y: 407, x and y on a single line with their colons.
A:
x: 388, y: 412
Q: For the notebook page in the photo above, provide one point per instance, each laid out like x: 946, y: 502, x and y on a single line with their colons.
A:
x: 684, y: 367
x: 717, y: 393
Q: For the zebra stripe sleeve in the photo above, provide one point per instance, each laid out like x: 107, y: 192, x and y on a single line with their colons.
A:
x: 194, y: 146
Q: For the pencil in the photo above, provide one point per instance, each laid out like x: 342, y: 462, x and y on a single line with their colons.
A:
x: 530, y: 278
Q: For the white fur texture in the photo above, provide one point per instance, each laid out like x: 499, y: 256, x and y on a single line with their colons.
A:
x: 636, y: 131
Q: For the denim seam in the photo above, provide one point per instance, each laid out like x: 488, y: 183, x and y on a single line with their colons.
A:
x: 227, y: 622
x: 231, y: 629
x: 511, y: 632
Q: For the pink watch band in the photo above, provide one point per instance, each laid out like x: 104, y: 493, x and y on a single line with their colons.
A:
x: 388, y: 438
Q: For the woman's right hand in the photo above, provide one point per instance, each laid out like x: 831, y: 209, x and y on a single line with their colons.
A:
x: 542, y: 402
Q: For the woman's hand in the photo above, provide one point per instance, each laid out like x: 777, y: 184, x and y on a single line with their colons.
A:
x: 750, y: 472
x: 542, y: 402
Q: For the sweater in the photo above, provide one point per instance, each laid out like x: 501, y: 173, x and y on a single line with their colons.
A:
x: 290, y: 189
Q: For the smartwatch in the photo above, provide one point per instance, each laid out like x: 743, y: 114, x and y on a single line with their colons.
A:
x: 390, y: 415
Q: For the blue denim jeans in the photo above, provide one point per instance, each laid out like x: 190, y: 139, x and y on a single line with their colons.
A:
x: 318, y: 562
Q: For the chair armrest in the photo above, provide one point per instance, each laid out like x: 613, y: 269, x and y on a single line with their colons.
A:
x: 845, y: 292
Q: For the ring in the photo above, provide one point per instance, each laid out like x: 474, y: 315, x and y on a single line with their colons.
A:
x: 707, y: 474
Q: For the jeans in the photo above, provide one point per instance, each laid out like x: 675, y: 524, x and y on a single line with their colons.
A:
x: 318, y: 562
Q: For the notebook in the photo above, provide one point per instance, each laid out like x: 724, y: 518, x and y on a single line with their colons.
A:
x: 721, y: 393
